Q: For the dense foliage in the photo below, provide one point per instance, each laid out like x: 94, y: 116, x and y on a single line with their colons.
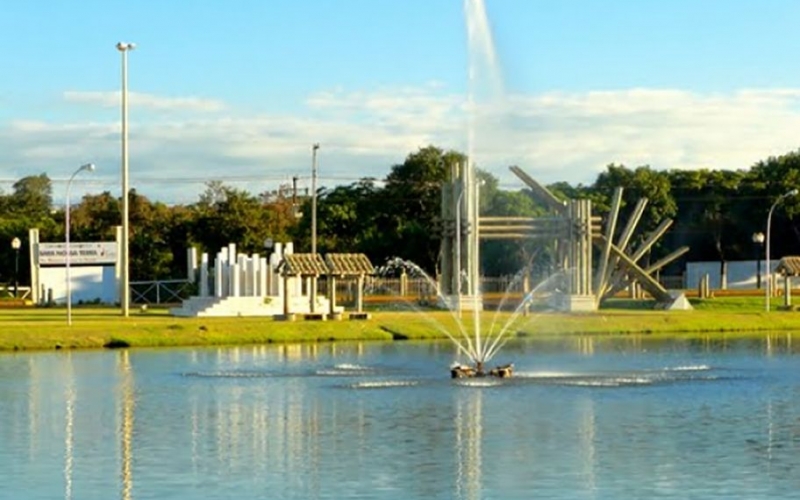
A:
x: 715, y: 214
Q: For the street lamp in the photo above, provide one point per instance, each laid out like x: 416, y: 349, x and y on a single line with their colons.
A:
x: 768, y: 288
x: 314, y: 149
x: 16, y: 244
x: 124, y: 48
x: 758, y: 239
x: 89, y: 167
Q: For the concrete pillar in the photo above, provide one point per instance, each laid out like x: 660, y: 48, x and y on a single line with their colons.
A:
x: 33, y: 249
x: 219, y: 275
x: 263, y: 277
x: 403, y: 284
x: 191, y: 264
x: 286, y: 311
x: 204, y: 275
x: 787, y: 291
x: 235, y: 281
x: 360, y: 294
x: 312, y: 294
x: 332, y: 298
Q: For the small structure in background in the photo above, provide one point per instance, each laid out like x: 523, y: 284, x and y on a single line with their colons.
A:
x: 307, y: 267
x: 788, y: 267
x: 283, y: 286
x: 94, y: 270
x: 348, y: 265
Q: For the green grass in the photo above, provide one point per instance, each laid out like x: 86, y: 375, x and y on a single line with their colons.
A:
x: 46, y: 328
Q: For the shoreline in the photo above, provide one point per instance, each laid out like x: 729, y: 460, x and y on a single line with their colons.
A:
x: 28, y: 329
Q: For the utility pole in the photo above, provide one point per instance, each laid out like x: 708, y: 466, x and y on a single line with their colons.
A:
x: 314, y: 149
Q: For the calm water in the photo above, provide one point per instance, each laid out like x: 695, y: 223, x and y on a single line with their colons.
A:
x: 583, y: 418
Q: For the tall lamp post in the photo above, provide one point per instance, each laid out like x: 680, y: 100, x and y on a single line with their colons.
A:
x: 768, y: 288
x: 124, y: 296
x: 314, y: 149
x: 16, y: 244
x: 758, y: 240
x: 89, y: 167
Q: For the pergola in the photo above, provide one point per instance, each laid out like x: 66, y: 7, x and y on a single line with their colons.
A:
x: 348, y: 265
x: 335, y: 266
x: 305, y: 266
x: 789, y: 267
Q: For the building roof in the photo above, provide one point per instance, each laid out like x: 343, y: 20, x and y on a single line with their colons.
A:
x: 348, y: 264
x: 303, y: 264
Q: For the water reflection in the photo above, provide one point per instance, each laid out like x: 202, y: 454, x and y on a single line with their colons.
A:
x: 69, y: 422
x: 587, y: 417
x: 467, y: 444
x: 126, y: 392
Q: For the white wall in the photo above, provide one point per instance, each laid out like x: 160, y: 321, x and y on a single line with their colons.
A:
x: 741, y: 274
x: 89, y: 283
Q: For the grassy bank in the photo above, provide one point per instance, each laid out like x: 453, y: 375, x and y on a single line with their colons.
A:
x: 31, y: 328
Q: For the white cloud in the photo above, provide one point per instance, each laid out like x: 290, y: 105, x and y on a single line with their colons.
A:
x: 554, y: 136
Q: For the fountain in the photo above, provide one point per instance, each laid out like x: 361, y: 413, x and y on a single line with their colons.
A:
x: 479, y: 343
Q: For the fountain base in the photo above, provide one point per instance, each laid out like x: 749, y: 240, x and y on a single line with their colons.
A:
x: 466, y: 371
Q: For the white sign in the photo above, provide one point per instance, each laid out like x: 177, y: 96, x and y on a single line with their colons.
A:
x: 79, y: 253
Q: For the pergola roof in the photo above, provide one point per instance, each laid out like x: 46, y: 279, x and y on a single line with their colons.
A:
x: 790, y: 266
x: 303, y: 264
x: 348, y: 264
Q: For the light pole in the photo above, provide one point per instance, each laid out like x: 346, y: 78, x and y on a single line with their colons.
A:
x: 758, y: 239
x: 124, y: 48
x: 768, y: 273
x: 314, y: 149
x: 16, y: 244
x: 90, y: 168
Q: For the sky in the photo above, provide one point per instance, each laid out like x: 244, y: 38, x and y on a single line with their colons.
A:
x: 240, y: 90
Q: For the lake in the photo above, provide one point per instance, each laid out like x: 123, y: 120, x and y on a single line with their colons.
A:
x: 583, y: 418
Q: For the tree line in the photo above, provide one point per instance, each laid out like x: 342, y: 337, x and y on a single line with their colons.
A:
x: 715, y: 212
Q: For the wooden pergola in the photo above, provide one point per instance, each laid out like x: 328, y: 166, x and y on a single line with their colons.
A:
x: 789, y: 267
x: 335, y: 266
x: 348, y: 265
x: 306, y: 266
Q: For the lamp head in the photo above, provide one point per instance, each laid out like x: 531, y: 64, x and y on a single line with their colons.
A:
x: 793, y: 192
x: 88, y: 167
x: 16, y: 243
x: 124, y: 46
x: 315, y: 146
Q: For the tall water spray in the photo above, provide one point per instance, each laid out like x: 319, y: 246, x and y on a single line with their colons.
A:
x: 485, y: 91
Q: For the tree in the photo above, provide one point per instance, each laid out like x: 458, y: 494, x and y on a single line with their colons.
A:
x: 229, y: 216
x: 410, y: 206
x: 32, y: 197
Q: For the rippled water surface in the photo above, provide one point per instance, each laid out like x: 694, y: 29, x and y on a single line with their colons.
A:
x: 582, y: 418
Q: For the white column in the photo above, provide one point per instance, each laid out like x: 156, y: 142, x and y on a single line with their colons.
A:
x: 263, y: 277
x: 191, y: 264
x: 204, y: 275
x: 235, y: 280
x: 252, y: 278
x: 219, y: 275
x: 118, y: 264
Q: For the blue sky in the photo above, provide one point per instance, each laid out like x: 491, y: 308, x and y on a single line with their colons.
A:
x: 239, y: 90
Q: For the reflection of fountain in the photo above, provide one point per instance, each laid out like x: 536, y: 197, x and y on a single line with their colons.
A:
x: 69, y: 425
x: 469, y: 434
x: 126, y: 430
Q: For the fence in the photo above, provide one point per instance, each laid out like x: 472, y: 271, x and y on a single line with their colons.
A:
x: 376, y: 289
x: 161, y: 291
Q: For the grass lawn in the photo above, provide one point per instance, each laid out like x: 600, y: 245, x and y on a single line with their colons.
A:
x: 46, y: 328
